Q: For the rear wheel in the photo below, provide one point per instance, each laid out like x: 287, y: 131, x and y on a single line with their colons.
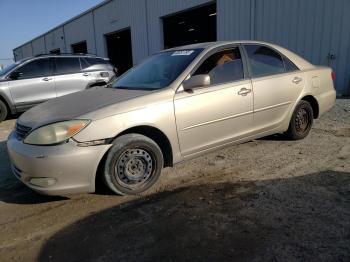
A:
x: 301, y: 122
x: 3, y: 111
x: 133, y: 164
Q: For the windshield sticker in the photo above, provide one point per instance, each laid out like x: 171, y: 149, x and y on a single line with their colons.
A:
x: 182, y: 52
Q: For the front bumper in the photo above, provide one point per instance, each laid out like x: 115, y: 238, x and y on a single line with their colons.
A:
x: 55, y: 170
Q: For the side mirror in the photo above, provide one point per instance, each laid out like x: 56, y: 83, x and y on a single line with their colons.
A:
x: 15, y: 75
x: 196, y: 81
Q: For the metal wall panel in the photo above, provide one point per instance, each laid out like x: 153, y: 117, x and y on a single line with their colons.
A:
x: 27, y: 50
x: 313, y: 28
x: 80, y: 29
x: 39, y: 46
x: 234, y: 19
x: 118, y: 15
x: 55, y: 40
x: 17, y: 53
x: 156, y: 9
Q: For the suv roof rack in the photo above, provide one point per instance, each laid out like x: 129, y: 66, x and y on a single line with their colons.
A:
x: 77, y: 54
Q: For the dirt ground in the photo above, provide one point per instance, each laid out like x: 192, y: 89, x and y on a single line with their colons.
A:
x: 266, y: 200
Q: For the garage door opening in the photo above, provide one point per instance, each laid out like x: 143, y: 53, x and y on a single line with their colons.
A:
x: 193, y: 26
x: 119, y: 50
x: 79, y: 48
x: 55, y: 51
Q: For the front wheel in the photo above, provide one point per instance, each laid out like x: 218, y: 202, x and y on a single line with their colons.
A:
x: 3, y: 111
x: 133, y: 164
x: 301, y: 121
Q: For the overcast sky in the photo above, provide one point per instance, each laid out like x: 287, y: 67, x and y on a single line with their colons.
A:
x: 22, y: 20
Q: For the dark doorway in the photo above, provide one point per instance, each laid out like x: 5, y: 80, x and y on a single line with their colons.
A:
x: 55, y: 51
x: 79, y: 48
x: 119, y: 50
x: 193, y: 26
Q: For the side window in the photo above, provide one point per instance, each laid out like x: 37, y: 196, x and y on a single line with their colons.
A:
x: 224, y: 66
x: 264, y: 61
x: 290, y: 67
x: 36, y: 68
x: 67, y: 65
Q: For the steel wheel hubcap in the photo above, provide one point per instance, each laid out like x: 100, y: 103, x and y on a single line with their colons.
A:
x: 302, y: 121
x: 134, y: 167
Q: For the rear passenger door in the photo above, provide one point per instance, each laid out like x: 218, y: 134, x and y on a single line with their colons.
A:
x: 277, y: 83
x: 69, y: 77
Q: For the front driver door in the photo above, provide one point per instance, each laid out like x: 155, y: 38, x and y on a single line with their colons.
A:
x: 32, y: 83
x: 211, y: 116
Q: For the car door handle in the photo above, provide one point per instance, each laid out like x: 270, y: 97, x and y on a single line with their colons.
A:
x: 86, y: 74
x: 297, y: 80
x: 244, y: 91
x: 47, y: 79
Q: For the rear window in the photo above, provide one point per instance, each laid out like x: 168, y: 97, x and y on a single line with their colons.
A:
x: 67, y: 65
x: 92, y: 63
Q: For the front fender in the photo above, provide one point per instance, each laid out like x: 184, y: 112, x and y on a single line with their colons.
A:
x: 5, y: 94
x: 160, y: 116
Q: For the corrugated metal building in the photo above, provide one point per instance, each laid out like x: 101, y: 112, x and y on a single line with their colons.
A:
x: 127, y: 31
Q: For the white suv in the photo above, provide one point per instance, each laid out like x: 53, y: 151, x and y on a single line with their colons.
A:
x: 31, y: 81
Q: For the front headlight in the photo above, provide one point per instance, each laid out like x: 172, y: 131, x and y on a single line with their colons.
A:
x: 55, y: 133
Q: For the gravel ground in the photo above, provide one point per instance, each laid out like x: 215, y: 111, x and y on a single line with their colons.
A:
x: 266, y: 200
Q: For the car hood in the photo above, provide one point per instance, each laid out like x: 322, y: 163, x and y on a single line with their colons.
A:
x: 74, y: 105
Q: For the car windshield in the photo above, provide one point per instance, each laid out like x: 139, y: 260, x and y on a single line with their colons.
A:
x: 8, y: 68
x: 158, y: 71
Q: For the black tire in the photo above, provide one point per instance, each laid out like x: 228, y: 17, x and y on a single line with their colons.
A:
x: 301, y: 121
x: 3, y: 111
x: 133, y: 164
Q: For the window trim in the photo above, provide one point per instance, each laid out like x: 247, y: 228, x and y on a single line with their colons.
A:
x: 214, y: 51
x: 283, y: 57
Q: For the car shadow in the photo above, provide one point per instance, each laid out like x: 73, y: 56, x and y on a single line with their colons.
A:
x: 275, y: 137
x: 14, y: 116
x: 12, y: 190
x: 294, y: 219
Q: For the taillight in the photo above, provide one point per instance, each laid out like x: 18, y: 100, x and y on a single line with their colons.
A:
x: 332, y: 75
x: 104, y: 74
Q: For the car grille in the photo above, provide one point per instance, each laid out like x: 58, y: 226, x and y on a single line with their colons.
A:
x: 22, y: 131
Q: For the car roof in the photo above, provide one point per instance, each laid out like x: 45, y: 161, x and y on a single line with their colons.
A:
x: 59, y: 55
x: 216, y: 44
x: 68, y: 55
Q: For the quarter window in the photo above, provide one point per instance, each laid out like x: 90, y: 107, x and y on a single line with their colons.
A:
x: 224, y: 66
x: 91, y: 63
x: 67, y: 65
x: 290, y: 67
x: 36, y: 68
x: 264, y: 61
